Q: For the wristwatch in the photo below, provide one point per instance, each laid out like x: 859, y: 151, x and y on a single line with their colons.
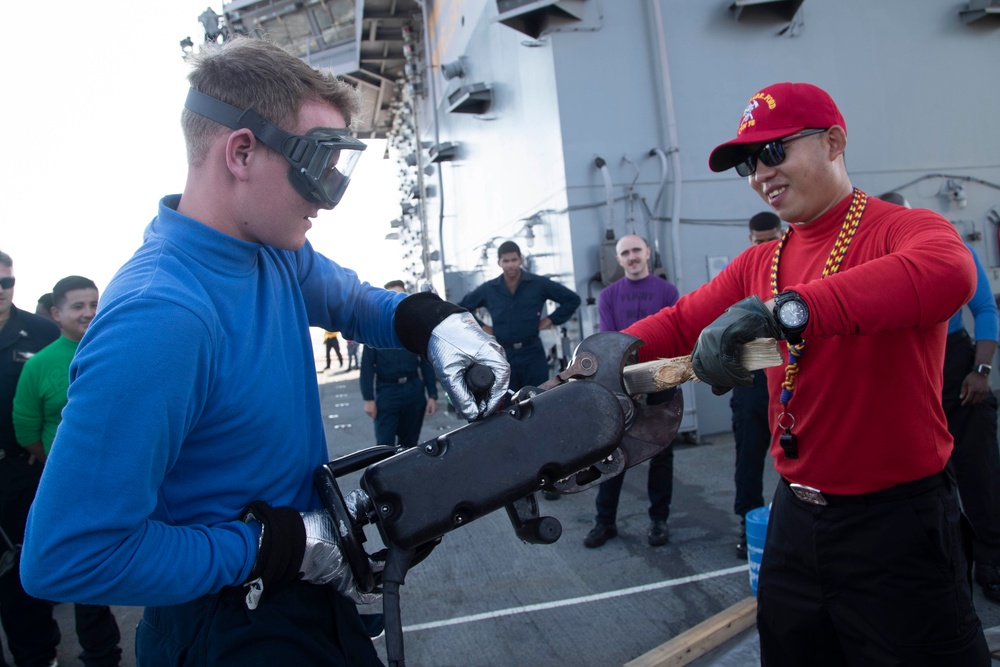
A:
x: 792, y: 315
x: 984, y: 369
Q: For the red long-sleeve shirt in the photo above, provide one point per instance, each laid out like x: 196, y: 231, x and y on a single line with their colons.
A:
x: 867, y: 401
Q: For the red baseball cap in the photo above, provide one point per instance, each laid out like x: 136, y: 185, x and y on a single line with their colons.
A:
x: 780, y: 110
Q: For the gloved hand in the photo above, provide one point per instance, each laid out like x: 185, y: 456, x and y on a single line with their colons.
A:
x: 716, y: 355
x: 297, y: 546
x: 457, y: 343
x: 453, y: 341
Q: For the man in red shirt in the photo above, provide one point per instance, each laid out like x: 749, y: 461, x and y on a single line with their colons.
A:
x: 864, y: 561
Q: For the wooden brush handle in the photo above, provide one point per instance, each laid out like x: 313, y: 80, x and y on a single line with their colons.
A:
x: 661, y: 374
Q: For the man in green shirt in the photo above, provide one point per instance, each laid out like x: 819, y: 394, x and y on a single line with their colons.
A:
x: 41, y: 390
x: 38, y: 403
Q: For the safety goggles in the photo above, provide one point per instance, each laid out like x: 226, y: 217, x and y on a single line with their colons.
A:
x: 320, y: 163
x: 771, y: 154
x: 7, y: 282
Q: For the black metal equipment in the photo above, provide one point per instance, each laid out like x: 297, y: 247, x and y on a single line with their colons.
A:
x: 570, y: 434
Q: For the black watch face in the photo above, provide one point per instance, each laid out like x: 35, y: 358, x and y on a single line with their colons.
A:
x: 793, y: 314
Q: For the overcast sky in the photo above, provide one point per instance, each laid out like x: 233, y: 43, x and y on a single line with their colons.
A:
x: 92, y: 136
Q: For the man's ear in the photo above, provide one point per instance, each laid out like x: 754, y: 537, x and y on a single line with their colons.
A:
x: 835, y: 140
x: 240, y: 149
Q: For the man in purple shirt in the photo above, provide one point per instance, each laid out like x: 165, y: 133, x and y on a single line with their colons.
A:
x: 622, y: 303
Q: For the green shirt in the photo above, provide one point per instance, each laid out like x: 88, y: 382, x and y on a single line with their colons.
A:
x: 41, y: 393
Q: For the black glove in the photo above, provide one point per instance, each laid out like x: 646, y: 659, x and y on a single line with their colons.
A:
x: 453, y: 341
x: 716, y: 355
x: 296, y: 546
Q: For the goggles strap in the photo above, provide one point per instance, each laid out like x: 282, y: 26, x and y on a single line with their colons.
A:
x: 226, y: 114
x: 213, y: 109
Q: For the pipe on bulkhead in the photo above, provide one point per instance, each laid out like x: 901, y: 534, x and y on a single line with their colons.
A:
x: 602, y: 166
x: 664, y: 170
x: 437, y: 141
x: 666, y: 90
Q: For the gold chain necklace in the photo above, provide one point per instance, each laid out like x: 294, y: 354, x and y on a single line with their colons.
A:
x: 786, y: 421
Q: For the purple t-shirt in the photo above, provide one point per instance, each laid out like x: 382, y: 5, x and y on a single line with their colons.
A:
x: 625, y: 302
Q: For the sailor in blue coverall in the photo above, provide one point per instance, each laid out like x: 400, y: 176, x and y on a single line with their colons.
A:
x: 395, y: 382
x: 398, y: 388
x: 393, y: 386
x: 516, y: 301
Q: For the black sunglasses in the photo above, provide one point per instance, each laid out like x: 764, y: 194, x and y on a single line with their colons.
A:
x: 772, y: 154
x: 7, y: 282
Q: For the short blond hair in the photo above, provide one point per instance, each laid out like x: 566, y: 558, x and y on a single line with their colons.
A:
x: 256, y: 73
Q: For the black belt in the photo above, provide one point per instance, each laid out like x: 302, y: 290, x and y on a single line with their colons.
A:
x: 402, y: 380
x: 905, y: 490
x: 518, y: 346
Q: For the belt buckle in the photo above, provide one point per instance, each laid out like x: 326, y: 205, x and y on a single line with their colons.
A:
x: 402, y: 380
x: 517, y: 346
x: 807, y: 494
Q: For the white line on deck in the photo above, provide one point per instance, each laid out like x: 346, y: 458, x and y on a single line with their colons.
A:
x: 511, y: 611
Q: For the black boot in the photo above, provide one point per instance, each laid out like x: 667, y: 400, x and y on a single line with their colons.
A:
x: 600, y: 534
x: 741, y: 546
x: 658, y: 535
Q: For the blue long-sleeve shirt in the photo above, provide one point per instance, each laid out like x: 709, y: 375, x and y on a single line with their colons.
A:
x: 516, y: 316
x: 983, y: 306
x: 392, y: 365
x: 192, y: 394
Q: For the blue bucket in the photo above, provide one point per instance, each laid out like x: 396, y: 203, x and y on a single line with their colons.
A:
x: 756, y: 524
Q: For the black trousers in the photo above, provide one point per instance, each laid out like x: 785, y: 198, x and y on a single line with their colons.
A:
x: 97, y: 630
x: 400, y: 415
x: 303, y: 625
x: 753, y: 439
x: 333, y: 343
x: 868, y: 583
x: 659, y: 485
x: 32, y: 632
x: 975, y: 459
x: 31, y: 629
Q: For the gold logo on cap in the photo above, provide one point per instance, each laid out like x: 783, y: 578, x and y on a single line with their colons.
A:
x: 748, y: 119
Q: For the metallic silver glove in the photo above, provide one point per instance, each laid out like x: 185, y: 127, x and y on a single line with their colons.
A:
x: 457, y: 343
x: 323, y: 562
